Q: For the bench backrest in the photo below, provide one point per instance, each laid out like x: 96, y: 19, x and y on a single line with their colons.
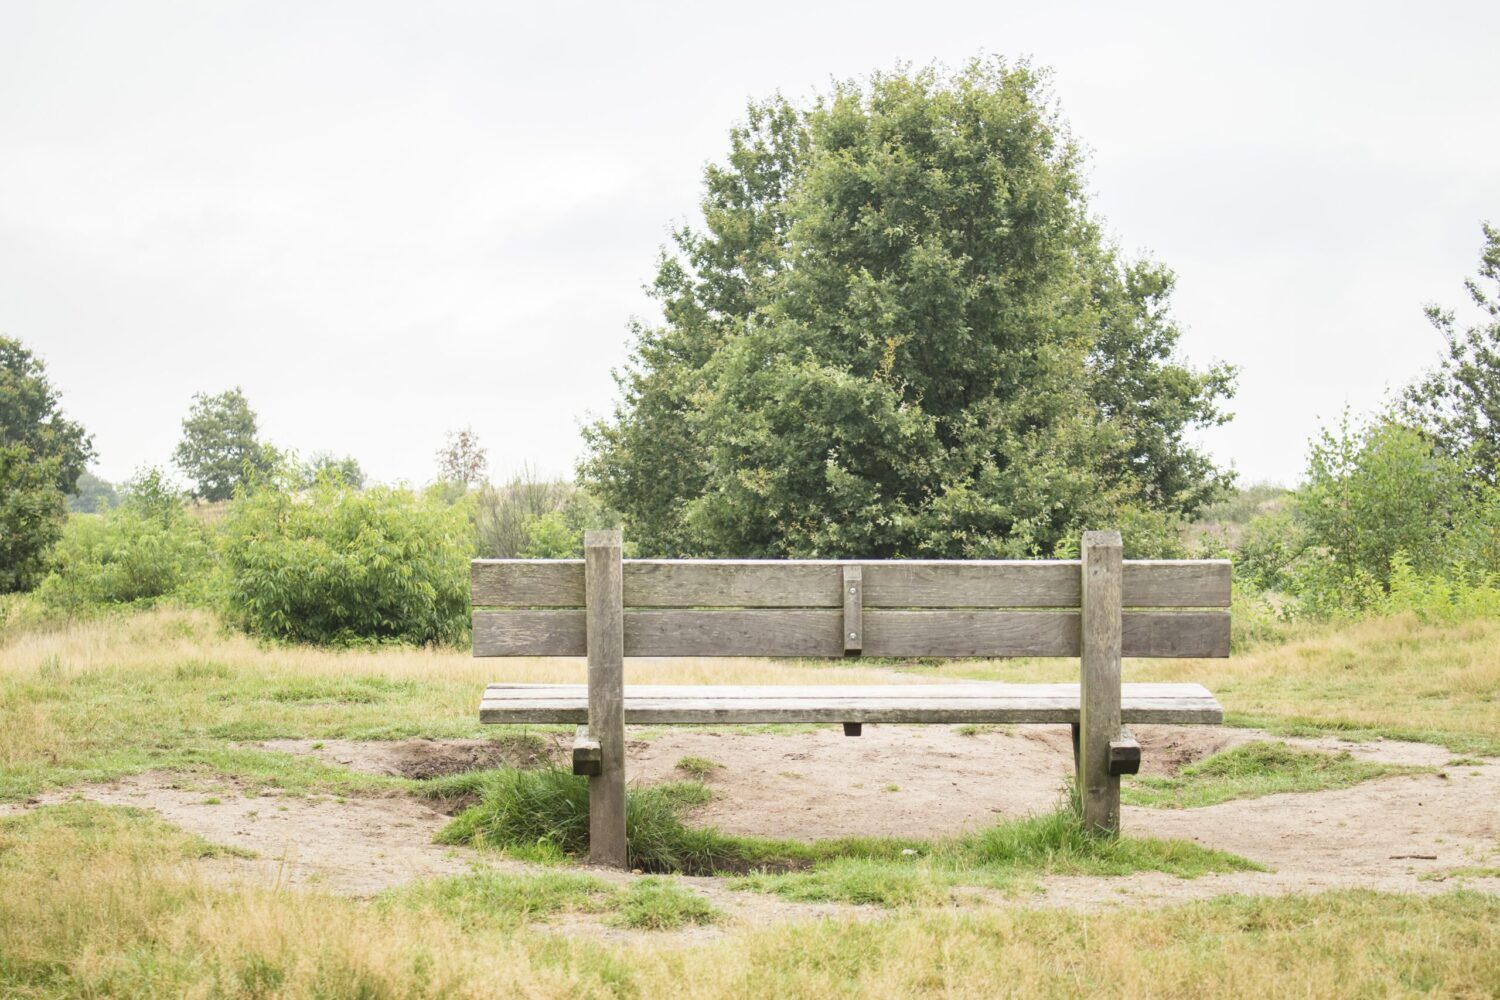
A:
x: 837, y: 608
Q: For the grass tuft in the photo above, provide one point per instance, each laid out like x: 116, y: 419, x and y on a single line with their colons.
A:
x: 698, y: 768
x: 660, y: 904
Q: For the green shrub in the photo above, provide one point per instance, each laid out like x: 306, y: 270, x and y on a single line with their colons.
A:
x: 340, y: 566
x: 145, y: 550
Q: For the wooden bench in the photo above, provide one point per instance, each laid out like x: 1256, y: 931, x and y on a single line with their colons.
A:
x: 1097, y: 608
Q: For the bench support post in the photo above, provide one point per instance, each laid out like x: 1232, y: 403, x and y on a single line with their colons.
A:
x: 1099, y: 696
x: 605, y: 627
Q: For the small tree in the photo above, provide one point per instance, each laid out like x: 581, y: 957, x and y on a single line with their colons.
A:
x: 463, y: 459
x: 219, y: 449
x: 42, y: 455
x: 900, y: 332
x: 1459, y: 401
x: 325, y: 465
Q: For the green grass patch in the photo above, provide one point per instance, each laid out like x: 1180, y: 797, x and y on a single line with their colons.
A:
x: 1253, y: 770
x: 1309, y: 728
x: 698, y: 768
x: 81, y: 830
x: 484, y: 898
x: 660, y: 904
x: 1466, y: 872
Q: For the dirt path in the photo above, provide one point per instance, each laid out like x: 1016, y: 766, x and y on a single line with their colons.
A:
x: 898, y: 781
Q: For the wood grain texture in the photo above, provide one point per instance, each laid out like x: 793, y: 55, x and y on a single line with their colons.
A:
x: 605, y: 627
x: 1099, y: 701
x: 1176, y: 583
x: 818, y: 633
x: 526, y: 583
x: 749, y: 583
x: 977, y: 702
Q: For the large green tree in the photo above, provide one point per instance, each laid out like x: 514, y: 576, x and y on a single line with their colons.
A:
x: 42, y: 454
x: 1458, y: 402
x: 220, y: 449
x: 899, y: 332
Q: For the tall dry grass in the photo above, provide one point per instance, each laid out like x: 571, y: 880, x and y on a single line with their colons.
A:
x: 99, y: 903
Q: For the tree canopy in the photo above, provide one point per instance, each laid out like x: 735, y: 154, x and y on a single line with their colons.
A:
x: 1458, y: 402
x: 219, y: 449
x: 900, y: 332
x: 42, y: 455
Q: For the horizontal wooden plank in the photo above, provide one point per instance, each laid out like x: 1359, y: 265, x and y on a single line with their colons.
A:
x: 530, y: 633
x: 526, y: 583
x: 900, y: 583
x: 895, y: 691
x: 995, y: 702
x: 819, y: 633
x: 1177, y: 583
x: 1162, y: 634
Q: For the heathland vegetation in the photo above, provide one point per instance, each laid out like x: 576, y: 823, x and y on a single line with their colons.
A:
x: 898, y: 331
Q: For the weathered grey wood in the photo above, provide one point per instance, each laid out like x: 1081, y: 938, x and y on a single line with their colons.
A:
x: 914, y: 583
x: 853, y: 606
x: 526, y: 583
x: 1099, y: 705
x: 1165, y: 634
x: 530, y: 633
x: 864, y: 693
x: 854, y: 728
x: 1124, y: 754
x: 732, y: 583
x: 604, y: 593
x: 921, y: 583
x: 587, y: 757
x: 800, y: 632
x: 1176, y: 583
x: 979, y: 702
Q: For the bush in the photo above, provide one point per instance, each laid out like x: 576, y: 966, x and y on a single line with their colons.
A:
x: 1386, y: 522
x: 339, y: 566
x: 145, y: 550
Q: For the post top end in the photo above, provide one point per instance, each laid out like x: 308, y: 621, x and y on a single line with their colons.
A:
x: 608, y: 539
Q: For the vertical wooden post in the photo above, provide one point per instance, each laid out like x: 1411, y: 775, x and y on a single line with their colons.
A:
x: 1099, y: 695
x: 604, y: 593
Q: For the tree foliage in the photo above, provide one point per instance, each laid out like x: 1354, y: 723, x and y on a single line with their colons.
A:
x: 1459, y: 401
x: 899, y: 332
x: 220, y: 449
x: 42, y: 455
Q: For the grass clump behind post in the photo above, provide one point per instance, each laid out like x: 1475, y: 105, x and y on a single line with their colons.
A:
x: 545, y: 813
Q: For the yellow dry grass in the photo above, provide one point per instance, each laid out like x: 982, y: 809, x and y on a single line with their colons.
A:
x: 99, y: 903
x: 164, y: 638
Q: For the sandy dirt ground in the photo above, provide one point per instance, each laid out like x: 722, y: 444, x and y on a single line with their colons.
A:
x: 919, y: 781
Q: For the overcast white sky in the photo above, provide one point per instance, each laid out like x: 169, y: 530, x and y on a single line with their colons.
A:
x: 386, y: 221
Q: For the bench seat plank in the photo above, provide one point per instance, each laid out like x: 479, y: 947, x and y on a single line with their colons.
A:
x: 976, y: 702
